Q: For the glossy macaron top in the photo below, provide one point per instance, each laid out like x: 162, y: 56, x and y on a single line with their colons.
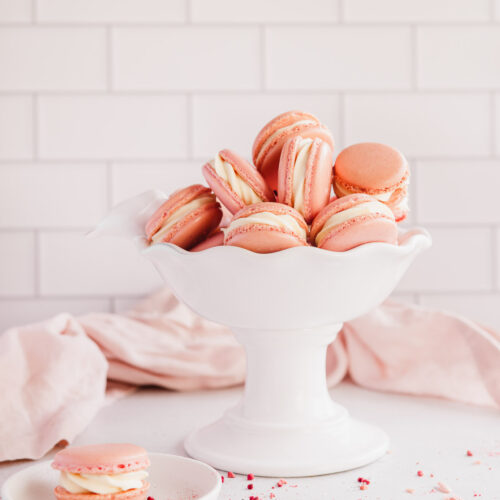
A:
x: 371, y: 168
x: 305, y: 175
x: 369, y: 207
x: 111, y: 458
x: 269, y: 141
x: 235, y: 181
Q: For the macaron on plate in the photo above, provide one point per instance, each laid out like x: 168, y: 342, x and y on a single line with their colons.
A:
x: 170, y: 477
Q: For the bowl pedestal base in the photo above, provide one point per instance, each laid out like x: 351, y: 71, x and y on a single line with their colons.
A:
x: 287, y: 424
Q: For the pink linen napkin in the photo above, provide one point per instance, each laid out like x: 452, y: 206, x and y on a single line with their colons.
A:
x: 54, y: 374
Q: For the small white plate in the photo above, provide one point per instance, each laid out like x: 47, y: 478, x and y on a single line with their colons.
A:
x: 170, y: 476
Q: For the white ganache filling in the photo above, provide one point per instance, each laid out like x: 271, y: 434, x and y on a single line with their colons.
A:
x: 383, y: 197
x: 179, y: 214
x: 271, y: 138
x: 299, y: 174
x: 367, y: 208
x: 226, y: 171
x: 283, y: 221
x: 102, y: 483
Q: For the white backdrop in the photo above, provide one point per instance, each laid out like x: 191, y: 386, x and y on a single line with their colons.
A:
x: 101, y: 99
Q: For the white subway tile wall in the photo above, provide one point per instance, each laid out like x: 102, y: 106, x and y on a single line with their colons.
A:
x: 102, y: 99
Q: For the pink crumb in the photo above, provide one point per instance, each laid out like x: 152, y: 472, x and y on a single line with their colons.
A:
x: 469, y: 453
x: 250, y: 477
x: 443, y: 488
x: 250, y: 486
x: 420, y: 473
x: 410, y: 490
x: 230, y: 475
x: 363, y: 487
x: 476, y: 462
x: 222, y: 478
x: 272, y: 495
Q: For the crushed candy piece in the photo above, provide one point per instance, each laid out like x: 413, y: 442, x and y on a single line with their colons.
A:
x: 250, y: 477
x: 250, y: 486
x: 443, y: 488
x: 230, y: 474
x: 469, y: 453
x: 420, y: 473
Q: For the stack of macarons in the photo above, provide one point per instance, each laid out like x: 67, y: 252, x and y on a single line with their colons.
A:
x: 285, y: 200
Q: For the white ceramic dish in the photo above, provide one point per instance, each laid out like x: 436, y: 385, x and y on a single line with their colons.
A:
x: 284, y: 308
x: 171, y: 476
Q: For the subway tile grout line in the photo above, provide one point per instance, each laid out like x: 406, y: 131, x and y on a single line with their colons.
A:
x: 263, y: 57
x: 34, y: 131
x: 109, y: 58
x: 109, y: 185
x: 342, y: 118
x: 134, y: 296
x: 36, y: 263
x: 492, y: 10
x: 340, y: 11
x: 231, y: 25
x: 493, y: 123
x: 414, y: 56
x: 34, y: 12
x: 188, y: 12
x: 190, y: 126
x: 159, y: 92
x: 184, y: 159
x: 495, y: 259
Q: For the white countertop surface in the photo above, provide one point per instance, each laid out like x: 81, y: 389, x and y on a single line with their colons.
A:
x: 426, y: 434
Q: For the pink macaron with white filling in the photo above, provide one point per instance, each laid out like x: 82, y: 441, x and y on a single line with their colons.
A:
x: 235, y: 181
x: 353, y: 220
x: 305, y: 175
x: 375, y: 169
x: 115, y: 471
x: 267, y: 146
x: 186, y: 218
x: 267, y: 227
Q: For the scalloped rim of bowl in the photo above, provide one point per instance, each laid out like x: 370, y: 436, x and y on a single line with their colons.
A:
x: 410, y: 240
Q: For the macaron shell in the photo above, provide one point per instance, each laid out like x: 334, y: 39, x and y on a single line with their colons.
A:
x: 267, y: 161
x: 318, y: 183
x: 222, y: 189
x: 173, y: 203
x: 135, y: 494
x: 283, y: 120
x: 262, y: 238
x: 371, y: 168
x: 335, y: 206
x: 249, y: 174
x: 269, y: 165
x: 215, y: 240
x: 195, y: 227
x: 359, y: 231
x: 112, y: 458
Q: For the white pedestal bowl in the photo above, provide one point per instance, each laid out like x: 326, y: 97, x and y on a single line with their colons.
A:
x: 284, y: 308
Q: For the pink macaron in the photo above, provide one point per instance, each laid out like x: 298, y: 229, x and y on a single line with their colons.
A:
x: 267, y: 227
x: 305, y: 175
x: 216, y: 239
x: 186, y: 218
x: 102, y: 472
x: 353, y: 220
x: 267, y: 146
x: 375, y: 169
x: 235, y: 181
